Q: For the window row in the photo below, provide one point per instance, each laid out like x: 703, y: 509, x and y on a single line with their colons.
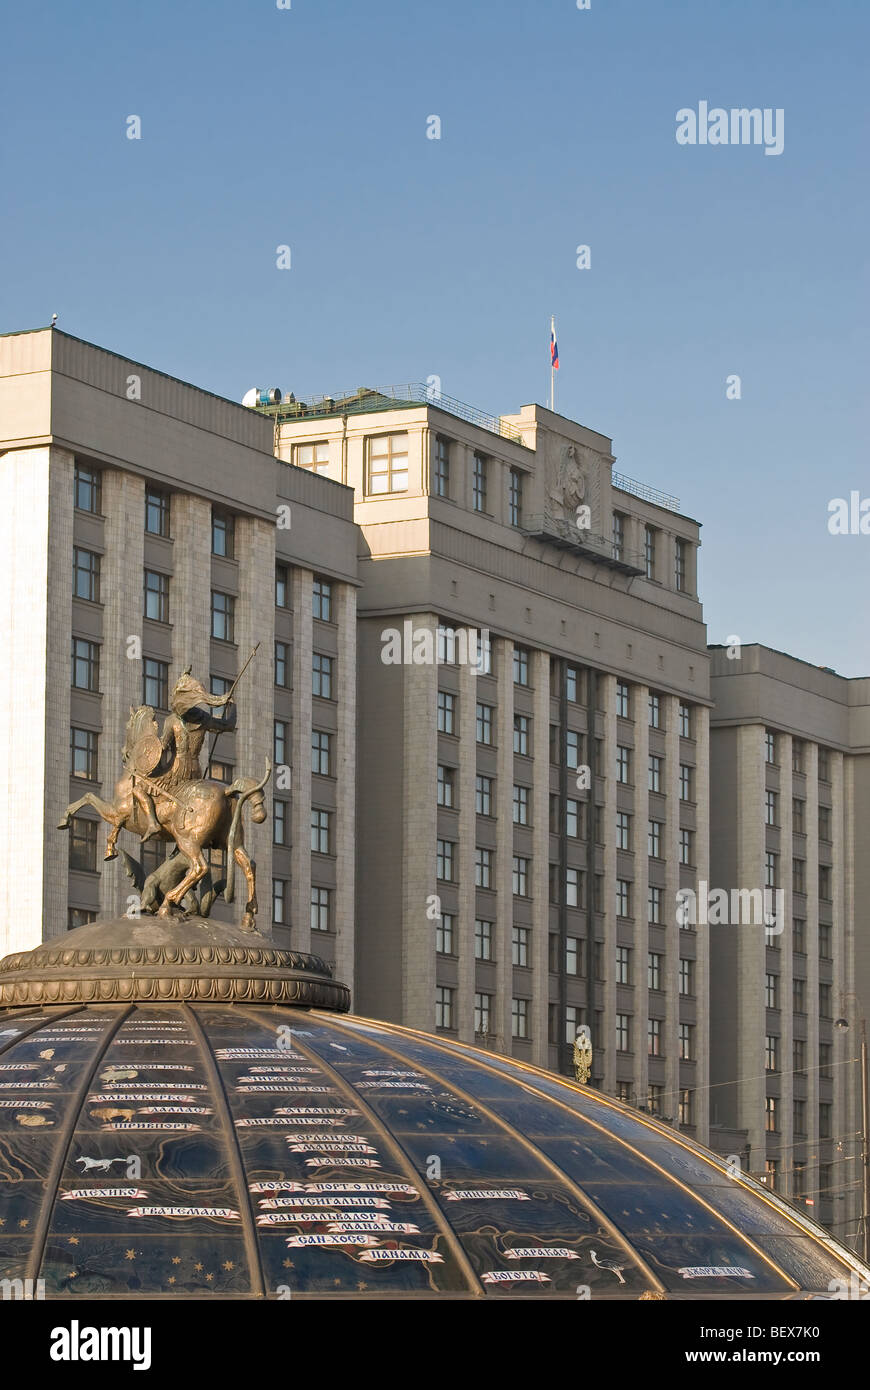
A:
x: 321, y: 905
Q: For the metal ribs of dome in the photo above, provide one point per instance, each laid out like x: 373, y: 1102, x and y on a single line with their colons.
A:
x: 226, y: 1151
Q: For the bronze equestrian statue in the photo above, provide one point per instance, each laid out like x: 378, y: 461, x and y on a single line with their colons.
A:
x: 164, y: 795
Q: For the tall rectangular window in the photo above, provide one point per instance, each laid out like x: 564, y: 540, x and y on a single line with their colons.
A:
x: 279, y: 901
x: 281, y: 742
x: 824, y: 765
x: 687, y: 976
x: 446, y: 712
x: 521, y: 666
x: 484, y: 723
x: 685, y: 720
x: 280, y: 822
x: 770, y: 808
x: 685, y: 846
x: 321, y: 675
x: 769, y: 746
x: 520, y: 876
x: 282, y: 587
x: 649, y: 551
x: 572, y: 955
x: 321, y: 831
x: 520, y: 937
x: 655, y: 711
x: 574, y: 881
x: 522, y: 727
x: 654, y: 1037
x: 686, y: 771
x: 623, y: 1032
x: 83, y: 754
x: 478, y: 483
x: 680, y: 551
x: 321, y: 753
x: 155, y: 683
x: 156, y: 596
x: 623, y: 700
x: 623, y: 898
x: 444, y: 1007
x: 86, y: 574
x: 83, y: 845
x: 88, y: 489
x: 618, y: 536
x: 686, y: 1042
x: 771, y: 991
x: 483, y: 932
x: 771, y: 1052
x: 771, y: 869
x: 387, y: 464
x: 314, y: 456
x: 521, y: 805
x: 156, y: 512
x: 445, y: 854
x: 515, y: 497
x: 282, y: 665
x: 623, y: 830
x: 441, y: 471
x: 654, y: 773
x: 483, y: 795
x: 573, y: 818
x: 444, y: 926
x: 520, y: 1018
x: 446, y: 785
x: 321, y: 909
x: 321, y: 600
x: 623, y: 965
x: 223, y: 533
x: 654, y: 904
x: 654, y: 970
x: 654, y: 839
x: 223, y: 616
x: 572, y: 684
x: 482, y: 1012
x: 623, y: 763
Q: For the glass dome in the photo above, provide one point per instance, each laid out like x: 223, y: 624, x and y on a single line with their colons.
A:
x: 241, y: 1151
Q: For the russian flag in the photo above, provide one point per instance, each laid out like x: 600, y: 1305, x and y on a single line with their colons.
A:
x: 554, y: 347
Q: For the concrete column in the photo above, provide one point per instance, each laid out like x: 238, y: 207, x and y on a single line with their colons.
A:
x: 466, y: 893
x: 701, y: 718
x: 120, y: 676
x: 420, y: 821
x: 503, y: 944
x: 786, y: 956
x: 641, y: 889
x: 301, y: 581
x: 749, y: 1001
x: 540, y: 809
x: 345, y: 775
x: 255, y: 622
x: 671, y: 854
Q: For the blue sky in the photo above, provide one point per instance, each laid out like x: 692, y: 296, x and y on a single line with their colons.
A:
x: 410, y: 256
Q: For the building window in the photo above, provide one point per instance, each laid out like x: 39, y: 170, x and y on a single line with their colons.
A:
x: 280, y: 741
x: 770, y: 808
x: 574, y: 880
x: 769, y: 746
x: 478, y: 483
x: 521, y: 805
x: 687, y: 976
x: 572, y: 684
x: 825, y: 941
x: 522, y: 725
x: 484, y: 723
x: 155, y: 683
x: 515, y: 497
x: 680, y: 549
x: 825, y: 882
x: 83, y: 754
x: 623, y: 763
x: 482, y: 1013
x: 649, y: 551
x: 623, y: 965
x: 623, y: 898
x: 86, y: 574
x: 79, y: 917
x: 654, y: 1100
x: 282, y: 665
x: 279, y: 901
x: 798, y: 815
x: 83, y: 845
x: 321, y: 753
x: 573, y: 748
x: 282, y: 587
x: 798, y: 755
x: 444, y: 1006
x: 444, y: 860
x: 825, y: 823
x: 314, y: 456
x: 520, y: 1018
x: 623, y: 700
x: 686, y: 772
x: 824, y: 765
x: 771, y: 1052
x: 220, y: 685
x: 573, y: 965
x: 771, y: 991
x: 444, y: 934
x: 321, y: 831
x: 654, y: 773
x: 441, y: 473
x: 800, y: 1116
x: 520, y: 945
x: 221, y: 772
x: 446, y: 712
x: 223, y: 616
x: 771, y: 1172
x: 156, y: 512
x: 623, y: 830
x: 321, y: 600
x: 686, y: 1114
x: 387, y: 464
x: 156, y: 596
x: 88, y: 489
x: 654, y: 970
x: 685, y: 721
x: 770, y: 869
x: 280, y: 822
x: 654, y: 839
x: 617, y: 535
x: 446, y: 776
x: 521, y: 666
x: 623, y: 1032
x: 685, y: 846
x: 654, y: 905
x: 482, y: 939
x: 483, y: 795
x: 655, y: 712
x: 654, y: 1037
x: 321, y: 909
x: 573, y: 817
x: 799, y: 1056
x: 799, y: 876
x: 824, y: 1121
x: 686, y: 1042
x: 520, y: 877
x: 321, y: 675
x: 223, y: 533
x: 825, y: 1000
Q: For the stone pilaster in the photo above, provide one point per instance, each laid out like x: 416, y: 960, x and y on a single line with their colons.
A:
x: 701, y: 717
x: 467, y: 896
x: 255, y: 622
x: 301, y: 581
x: 345, y: 775
x: 671, y: 854
x: 640, y: 890
x: 415, y: 860
x: 503, y: 943
x: 540, y: 810
x: 605, y: 1046
x: 190, y: 523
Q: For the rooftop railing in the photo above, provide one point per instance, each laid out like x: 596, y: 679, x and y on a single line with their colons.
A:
x: 648, y: 494
x: 368, y: 399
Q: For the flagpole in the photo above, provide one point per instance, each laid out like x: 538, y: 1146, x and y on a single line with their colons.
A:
x: 552, y: 367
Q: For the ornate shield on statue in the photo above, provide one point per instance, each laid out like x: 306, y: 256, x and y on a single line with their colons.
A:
x: 144, y: 749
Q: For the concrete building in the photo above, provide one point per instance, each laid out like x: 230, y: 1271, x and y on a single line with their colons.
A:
x: 790, y: 802
x: 146, y: 525
x: 533, y: 750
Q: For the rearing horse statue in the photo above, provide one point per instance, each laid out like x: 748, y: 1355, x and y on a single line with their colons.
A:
x: 164, y: 795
